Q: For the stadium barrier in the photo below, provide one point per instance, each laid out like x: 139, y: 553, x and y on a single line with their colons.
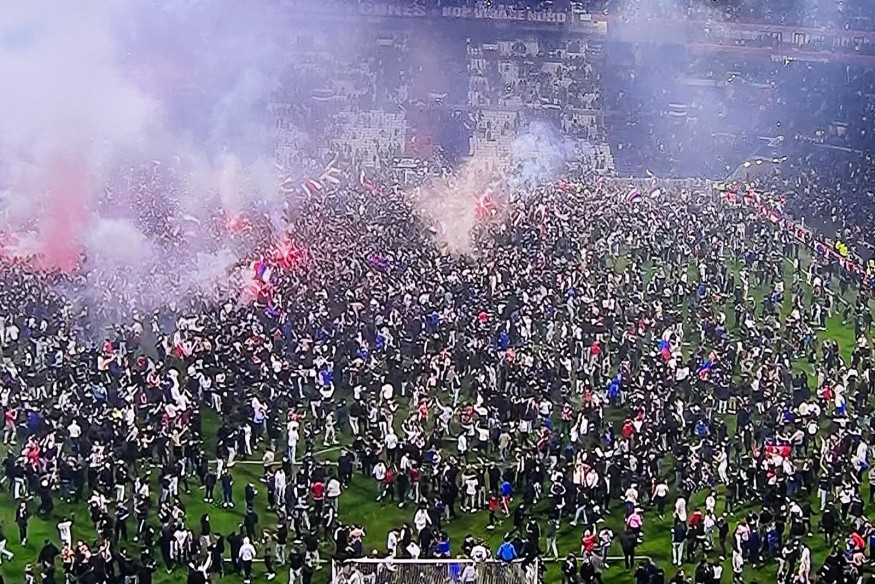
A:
x: 433, y: 571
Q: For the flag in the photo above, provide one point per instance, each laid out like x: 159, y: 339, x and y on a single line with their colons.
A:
x: 751, y: 197
x: 325, y: 94
x: 664, y: 347
x: 677, y: 110
x: 331, y: 175
x: 705, y: 368
x: 262, y: 271
x: 367, y: 184
x: 483, y: 207
x: 378, y: 262
x: 634, y: 196
x: 312, y: 186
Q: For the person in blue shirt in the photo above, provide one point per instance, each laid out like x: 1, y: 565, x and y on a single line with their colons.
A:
x: 442, y: 547
x: 506, y: 552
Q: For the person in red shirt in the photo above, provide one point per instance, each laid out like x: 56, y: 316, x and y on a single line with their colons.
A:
x: 317, y: 493
x: 595, y: 352
x: 628, y: 429
x: 587, y: 543
x: 493, y: 507
x: 415, y: 475
x: 388, y: 487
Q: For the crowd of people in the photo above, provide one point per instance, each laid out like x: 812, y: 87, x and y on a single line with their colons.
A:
x: 605, y: 356
x: 604, y: 371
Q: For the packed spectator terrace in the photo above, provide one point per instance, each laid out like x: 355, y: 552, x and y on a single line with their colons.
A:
x: 663, y: 88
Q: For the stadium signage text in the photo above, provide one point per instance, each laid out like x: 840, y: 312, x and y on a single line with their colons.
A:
x: 502, y: 12
x: 390, y: 9
x: 381, y: 9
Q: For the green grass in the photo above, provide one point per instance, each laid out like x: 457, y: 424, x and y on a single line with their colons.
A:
x: 358, y: 505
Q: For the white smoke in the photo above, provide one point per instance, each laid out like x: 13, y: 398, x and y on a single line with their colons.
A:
x: 538, y: 155
x: 127, y: 130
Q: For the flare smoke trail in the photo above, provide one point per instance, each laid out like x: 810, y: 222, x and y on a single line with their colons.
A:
x: 539, y: 155
x: 456, y: 207
x: 129, y: 132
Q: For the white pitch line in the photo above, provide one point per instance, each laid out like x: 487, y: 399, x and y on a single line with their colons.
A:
x: 315, y: 453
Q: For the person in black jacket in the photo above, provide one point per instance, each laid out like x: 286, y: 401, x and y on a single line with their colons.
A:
x: 217, y: 553
x: 195, y: 576
x: 628, y: 543
x: 587, y: 571
x: 704, y: 573
x: 48, y: 553
x: 569, y: 570
x: 22, y: 516
x: 722, y: 535
x: 121, y: 522
x: 644, y: 572
x: 678, y: 541
x: 282, y: 537
x: 126, y: 567
x: 235, y: 540
x: 344, y: 468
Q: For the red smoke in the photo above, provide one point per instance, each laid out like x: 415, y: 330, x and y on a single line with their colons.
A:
x: 65, y: 214
x: 288, y: 256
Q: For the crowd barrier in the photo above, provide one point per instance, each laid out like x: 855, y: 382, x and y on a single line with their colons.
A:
x: 818, y: 243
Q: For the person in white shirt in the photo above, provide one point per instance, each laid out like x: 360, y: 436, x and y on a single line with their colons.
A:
x: 65, y: 533
x: 660, y: 494
x: 469, y: 574
x: 680, y: 509
x: 421, y: 519
x: 246, y: 555
x: 479, y: 553
x: 803, y: 574
x: 356, y: 577
x: 414, y: 550
x: 292, y: 437
x: 737, y: 566
x: 470, y: 481
x: 631, y: 497
x: 390, y: 440
x: 392, y: 542
x: 379, y: 471
x: 279, y: 485
x: 462, y: 445
x: 332, y: 492
x: 710, y: 503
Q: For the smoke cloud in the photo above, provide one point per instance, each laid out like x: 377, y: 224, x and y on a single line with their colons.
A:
x: 456, y: 205
x: 137, y: 145
x: 539, y: 154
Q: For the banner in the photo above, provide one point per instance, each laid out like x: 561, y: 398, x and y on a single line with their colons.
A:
x: 395, y: 9
x: 803, y: 235
x: 504, y: 12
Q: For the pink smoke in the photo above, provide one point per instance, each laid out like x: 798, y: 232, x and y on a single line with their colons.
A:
x: 67, y: 188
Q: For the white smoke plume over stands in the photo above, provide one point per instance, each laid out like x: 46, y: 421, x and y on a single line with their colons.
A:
x: 130, y: 135
x: 457, y: 205
x: 539, y: 155
x: 449, y: 205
